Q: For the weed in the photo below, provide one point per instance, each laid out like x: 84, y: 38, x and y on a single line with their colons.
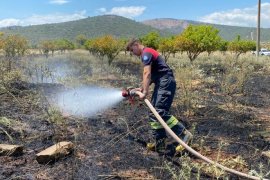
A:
x: 54, y: 116
x: 219, y: 172
x: 263, y: 172
x: 237, y: 73
x: 6, y: 123
x: 189, y: 97
x: 184, y: 171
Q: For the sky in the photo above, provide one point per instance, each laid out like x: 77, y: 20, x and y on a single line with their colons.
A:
x: 227, y: 12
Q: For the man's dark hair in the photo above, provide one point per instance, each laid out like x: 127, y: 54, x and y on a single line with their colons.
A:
x: 131, y: 42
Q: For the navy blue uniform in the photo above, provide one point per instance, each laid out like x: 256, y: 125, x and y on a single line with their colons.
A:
x: 164, y: 91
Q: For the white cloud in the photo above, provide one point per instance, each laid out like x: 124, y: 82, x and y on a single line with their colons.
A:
x: 9, y: 22
x: 43, y: 19
x: 130, y: 11
x: 102, y: 10
x: 240, y: 17
x: 59, y: 2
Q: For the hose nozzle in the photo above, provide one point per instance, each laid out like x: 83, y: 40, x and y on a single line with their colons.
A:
x: 125, y: 93
x: 128, y: 92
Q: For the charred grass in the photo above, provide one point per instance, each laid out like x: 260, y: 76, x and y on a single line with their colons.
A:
x: 223, y: 101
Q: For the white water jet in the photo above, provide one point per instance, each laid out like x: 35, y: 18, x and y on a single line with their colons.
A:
x: 88, y: 101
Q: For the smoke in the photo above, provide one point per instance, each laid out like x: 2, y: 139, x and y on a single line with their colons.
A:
x: 87, y: 101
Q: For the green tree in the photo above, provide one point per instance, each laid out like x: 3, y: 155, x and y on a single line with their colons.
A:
x: 47, y: 46
x: 223, y: 47
x: 239, y: 46
x: 124, y: 41
x: 105, y: 46
x: 151, y: 40
x: 89, y: 45
x: 1, y: 40
x: 80, y: 40
x: 63, y: 45
x: 197, y: 39
x: 14, y: 47
x: 167, y: 47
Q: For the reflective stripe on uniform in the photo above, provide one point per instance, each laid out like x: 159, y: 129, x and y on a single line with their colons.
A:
x: 170, y: 122
x: 156, y: 125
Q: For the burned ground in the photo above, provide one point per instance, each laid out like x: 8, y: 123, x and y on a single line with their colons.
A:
x: 112, y: 144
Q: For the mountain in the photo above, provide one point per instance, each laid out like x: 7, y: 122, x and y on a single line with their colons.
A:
x: 119, y: 26
x: 91, y: 27
x: 176, y: 26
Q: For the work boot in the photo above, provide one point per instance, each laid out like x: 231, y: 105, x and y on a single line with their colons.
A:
x: 186, y: 136
x: 159, y: 146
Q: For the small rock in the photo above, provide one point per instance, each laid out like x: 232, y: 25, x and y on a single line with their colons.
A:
x: 266, y: 154
x: 11, y: 150
x: 55, y: 152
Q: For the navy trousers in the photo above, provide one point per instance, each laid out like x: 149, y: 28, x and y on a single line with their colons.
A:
x: 162, y: 99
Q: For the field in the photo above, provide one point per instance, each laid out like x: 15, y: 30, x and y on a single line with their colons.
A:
x: 223, y: 101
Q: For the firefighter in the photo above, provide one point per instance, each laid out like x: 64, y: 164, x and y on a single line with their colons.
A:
x: 158, y: 72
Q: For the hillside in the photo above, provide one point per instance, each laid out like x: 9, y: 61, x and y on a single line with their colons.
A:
x: 176, y: 26
x: 91, y: 27
x: 121, y: 27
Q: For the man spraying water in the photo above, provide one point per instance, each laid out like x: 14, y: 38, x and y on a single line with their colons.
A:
x: 158, y: 72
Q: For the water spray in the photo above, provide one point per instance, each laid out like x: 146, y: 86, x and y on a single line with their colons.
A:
x: 87, y: 101
x: 131, y: 93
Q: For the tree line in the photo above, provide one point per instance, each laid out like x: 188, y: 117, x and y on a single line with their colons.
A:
x: 194, y: 40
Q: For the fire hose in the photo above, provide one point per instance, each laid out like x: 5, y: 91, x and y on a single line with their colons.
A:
x: 131, y: 93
